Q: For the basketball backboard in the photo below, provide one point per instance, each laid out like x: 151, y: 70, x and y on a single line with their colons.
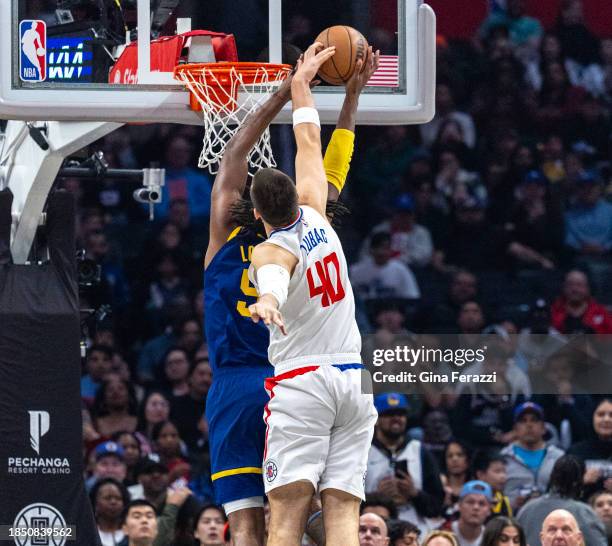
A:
x: 56, y: 55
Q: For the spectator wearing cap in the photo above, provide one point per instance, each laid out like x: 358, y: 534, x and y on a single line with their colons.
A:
x: 536, y: 224
x: 140, y: 524
x: 576, y: 311
x: 373, y: 530
x: 401, y: 468
x: 380, y: 275
x: 529, y: 460
x: 564, y: 490
x: 475, y: 501
x: 152, y: 478
x: 410, y: 242
x: 589, y: 221
x: 172, y: 502
x: 109, y: 464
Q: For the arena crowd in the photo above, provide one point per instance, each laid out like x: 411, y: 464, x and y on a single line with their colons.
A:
x: 495, y: 217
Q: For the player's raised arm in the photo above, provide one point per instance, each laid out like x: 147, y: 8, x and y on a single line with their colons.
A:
x: 339, y: 152
x: 310, y: 177
x: 232, y: 177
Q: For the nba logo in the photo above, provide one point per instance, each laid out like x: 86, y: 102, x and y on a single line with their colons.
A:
x: 33, y: 50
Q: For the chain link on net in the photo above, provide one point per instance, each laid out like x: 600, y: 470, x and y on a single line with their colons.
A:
x: 224, y: 112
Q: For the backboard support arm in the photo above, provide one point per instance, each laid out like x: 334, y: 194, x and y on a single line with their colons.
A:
x: 30, y: 170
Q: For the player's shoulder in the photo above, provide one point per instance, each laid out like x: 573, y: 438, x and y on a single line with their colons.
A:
x: 310, y: 213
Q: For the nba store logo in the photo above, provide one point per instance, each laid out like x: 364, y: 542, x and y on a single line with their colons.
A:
x: 33, y: 50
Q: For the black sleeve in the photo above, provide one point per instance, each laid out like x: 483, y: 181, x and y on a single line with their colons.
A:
x: 428, y: 503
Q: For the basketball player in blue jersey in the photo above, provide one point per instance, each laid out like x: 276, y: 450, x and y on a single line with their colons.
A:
x: 238, y: 348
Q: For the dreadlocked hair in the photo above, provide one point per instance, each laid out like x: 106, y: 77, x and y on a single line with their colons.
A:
x: 336, y: 211
x: 242, y: 214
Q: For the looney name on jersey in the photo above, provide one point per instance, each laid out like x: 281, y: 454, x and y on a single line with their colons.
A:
x: 312, y: 239
x: 246, y: 253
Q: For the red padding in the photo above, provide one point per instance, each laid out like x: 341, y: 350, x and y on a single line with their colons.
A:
x: 166, y: 54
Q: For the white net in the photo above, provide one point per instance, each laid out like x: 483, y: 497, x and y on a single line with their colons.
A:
x: 226, y: 101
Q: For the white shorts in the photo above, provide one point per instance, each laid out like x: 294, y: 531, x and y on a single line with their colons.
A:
x: 319, y: 428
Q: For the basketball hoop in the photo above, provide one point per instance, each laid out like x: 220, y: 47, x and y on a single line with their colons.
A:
x: 226, y: 93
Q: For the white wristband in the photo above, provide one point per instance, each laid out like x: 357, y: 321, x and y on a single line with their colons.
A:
x: 306, y: 115
x: 273, y: 279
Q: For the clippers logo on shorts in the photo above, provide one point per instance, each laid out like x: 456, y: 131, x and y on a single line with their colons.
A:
x: 40, y: 515
x: 33, y: 50
x: 271, y: 471
x: 39, y: 426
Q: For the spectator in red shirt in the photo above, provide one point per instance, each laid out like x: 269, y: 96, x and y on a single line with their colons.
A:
x: 576, y: 311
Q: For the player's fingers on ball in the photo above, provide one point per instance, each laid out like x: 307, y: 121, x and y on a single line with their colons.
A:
x: 312, y: 50
x: 327, y: 53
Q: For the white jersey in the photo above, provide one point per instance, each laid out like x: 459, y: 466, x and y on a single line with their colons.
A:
x: 319, y: 313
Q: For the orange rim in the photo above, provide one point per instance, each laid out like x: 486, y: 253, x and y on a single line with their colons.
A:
x: 219, y: 78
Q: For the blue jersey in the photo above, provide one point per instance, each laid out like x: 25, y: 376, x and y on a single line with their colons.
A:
x: 233, y: 338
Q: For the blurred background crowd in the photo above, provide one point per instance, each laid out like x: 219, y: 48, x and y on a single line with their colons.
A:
x: 494, y: 217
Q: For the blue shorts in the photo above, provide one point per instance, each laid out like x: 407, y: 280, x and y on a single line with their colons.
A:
x: 236, y: 432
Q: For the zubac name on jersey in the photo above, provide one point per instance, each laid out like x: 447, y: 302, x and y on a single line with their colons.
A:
x: 313, y: 238
x: 233, y: 338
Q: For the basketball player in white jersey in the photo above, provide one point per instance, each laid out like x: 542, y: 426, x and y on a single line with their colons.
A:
x: 319, y: 424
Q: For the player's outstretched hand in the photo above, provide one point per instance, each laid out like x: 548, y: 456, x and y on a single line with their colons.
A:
x: 267, y: 311
x: 363, y: 72
x: 314, y: 57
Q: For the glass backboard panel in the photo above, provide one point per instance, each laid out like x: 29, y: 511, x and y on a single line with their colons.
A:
x: 56, y: 55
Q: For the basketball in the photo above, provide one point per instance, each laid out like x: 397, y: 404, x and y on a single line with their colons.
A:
x: 40, y: 51
x: 351, y: 46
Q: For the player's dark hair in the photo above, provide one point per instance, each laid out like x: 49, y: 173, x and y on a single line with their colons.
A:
x: 242, y: 214
x: 134, y: 504
x: 376, y: 499
x: 274, y: 196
